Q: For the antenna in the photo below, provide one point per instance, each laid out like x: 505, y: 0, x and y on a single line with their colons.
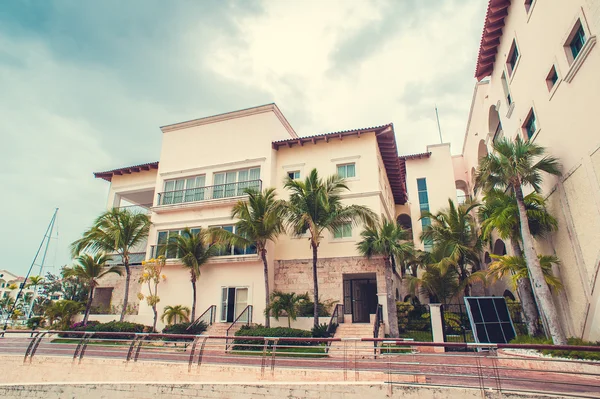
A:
x: 47, y: 235
x: 437, y: 117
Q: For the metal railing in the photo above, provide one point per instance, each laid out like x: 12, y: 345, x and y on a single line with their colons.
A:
x: 218, y: 191
x: 377, y: 325
x: 337, y: 318
x: 208, y: 317
x: 494, y: 367
x: 244, y: 318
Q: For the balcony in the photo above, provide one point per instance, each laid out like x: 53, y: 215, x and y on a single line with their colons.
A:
x: 145, y: 209
x: 217, y: 193
x: 230, y: 254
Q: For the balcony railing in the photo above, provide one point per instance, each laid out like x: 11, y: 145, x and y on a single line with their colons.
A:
x: 218, y: 191
x: 145, y: 209
x: 158, y: 250
x: 461, y: 199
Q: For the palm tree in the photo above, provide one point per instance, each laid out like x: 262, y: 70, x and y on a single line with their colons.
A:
x: 500, y: 213
x: 34, y: 281
x: 315, y: 205
x: 389, y: 240
x: 193, y: 249
x: 512, y: 165
x: 90, y: 269
x: 286, y: 302
x: 63, y: 311
x: 115, y: 231
x: 452, y: 231
x: 259, y: 221
x: 176, y: 313
x: 516, y: 268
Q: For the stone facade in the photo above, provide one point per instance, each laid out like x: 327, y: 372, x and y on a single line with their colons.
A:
x: 118, y: 284
x: 296, y: 275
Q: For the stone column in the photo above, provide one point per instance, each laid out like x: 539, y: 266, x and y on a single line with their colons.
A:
x: 437, y: 328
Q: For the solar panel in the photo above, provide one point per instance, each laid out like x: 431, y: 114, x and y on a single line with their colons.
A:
x: 490, y: 319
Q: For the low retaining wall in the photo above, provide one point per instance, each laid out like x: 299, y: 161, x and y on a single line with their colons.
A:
x: 346, y: 390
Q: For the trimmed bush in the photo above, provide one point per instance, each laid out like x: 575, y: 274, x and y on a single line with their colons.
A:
x: 306, y: 308
x: 111, y: 326
x: 260, y: 331
x: 182, y: 328
x: 35, y: 322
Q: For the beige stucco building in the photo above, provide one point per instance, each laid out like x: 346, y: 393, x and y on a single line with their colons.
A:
x: 196, y: 183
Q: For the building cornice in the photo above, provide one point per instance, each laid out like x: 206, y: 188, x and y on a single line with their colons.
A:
x: 233, y: 115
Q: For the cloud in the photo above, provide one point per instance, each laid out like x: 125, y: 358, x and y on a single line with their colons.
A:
x: 87, y: 84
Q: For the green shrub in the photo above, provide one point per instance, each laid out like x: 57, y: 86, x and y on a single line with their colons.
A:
x: 182, y: 328
x: 111, y: 326
x: 35, y: 322
x: 306, y: 308
x: 321, y: 330
x: 403, y: 309
x: 260, y: 331
x: 562, y: 353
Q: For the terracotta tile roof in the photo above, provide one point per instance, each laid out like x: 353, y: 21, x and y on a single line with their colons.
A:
x: 386, y: 140
x: 416, y: 156
x: 490, y: 39
x: 126, y: 170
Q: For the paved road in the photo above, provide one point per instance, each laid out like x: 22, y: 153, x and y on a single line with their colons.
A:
x: 466, y: 369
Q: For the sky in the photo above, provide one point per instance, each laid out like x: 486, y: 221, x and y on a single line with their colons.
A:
x: 85, y: 86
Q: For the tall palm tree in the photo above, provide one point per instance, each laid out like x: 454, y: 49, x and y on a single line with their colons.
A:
x: 512, y: 165
x: 259, y: 221
x: 115, y: 231
x: 452, y: 231
x: 389, y: 240
x: 286, y: 302
x: 90, y: 269
x: 34, y: 281
x: 193, y: 249
x: 500, y: 213
x: 315, y: 205
x: 176, y: 313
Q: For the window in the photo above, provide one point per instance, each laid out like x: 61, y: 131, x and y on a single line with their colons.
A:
x: 552, y: 78
x: 235, y: 250
x: 183, y: 190
x: 163, y: 238
x: 233, y: 183
x: 530, y: 126
x: 577, y: 41
x: 344, y: 231
x: 347, y: 170
x: 294, y: 174
x: 513, y: 57
x: 424, y: 206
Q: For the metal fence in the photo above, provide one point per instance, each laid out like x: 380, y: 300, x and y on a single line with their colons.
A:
x: 397, y: 362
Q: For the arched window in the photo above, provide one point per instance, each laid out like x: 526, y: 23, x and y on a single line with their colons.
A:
x: 508, y: 295
x: 397, y: 294
x: 406, y: 223
x: 499, y: 248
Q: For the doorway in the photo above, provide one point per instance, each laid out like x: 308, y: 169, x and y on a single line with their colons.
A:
x: 360, y: 298
x: 233, y: 302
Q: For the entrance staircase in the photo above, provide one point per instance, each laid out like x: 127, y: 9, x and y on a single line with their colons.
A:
x: 348, y: 330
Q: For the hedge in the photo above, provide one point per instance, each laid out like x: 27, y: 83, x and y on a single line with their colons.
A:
x: 183, y: 328
x: 260, y: 331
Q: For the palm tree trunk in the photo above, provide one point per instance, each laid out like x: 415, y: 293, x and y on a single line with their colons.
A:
x: 193, y: 279
x: 88, y: 306
x: 316, y: 286
x: 526, y: 295
x: 263, y: 255
x: 126, y: 295
x: 538, y: 282
x: 392, y: 312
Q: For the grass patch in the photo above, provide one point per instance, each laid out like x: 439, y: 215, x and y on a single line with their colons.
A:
x: 312, y: 351
x: 575, y: 354
x: 418, y: 336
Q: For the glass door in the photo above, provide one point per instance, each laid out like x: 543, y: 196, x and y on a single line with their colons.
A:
x: 241, y: 301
